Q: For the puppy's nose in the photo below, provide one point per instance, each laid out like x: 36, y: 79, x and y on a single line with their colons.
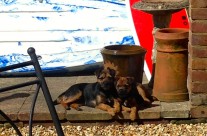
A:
x: 122, y: 91
x: 108, y: 84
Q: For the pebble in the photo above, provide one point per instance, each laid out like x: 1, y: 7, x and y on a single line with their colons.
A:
x: 199, y: 129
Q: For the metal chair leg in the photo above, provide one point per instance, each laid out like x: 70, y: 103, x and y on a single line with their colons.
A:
x: 48, y: 98
x: 41, y: 84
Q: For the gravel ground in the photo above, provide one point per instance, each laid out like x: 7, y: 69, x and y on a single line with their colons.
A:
x: 199, y: 129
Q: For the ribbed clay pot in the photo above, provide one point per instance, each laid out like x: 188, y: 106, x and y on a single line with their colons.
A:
x: 170, y: 83
x: 127, y: 60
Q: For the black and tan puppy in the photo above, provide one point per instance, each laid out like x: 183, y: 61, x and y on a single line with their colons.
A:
x: 130, y: 95
x: 99, y: 95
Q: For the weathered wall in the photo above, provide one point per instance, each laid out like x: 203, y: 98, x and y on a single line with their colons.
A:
x: 197, y: 77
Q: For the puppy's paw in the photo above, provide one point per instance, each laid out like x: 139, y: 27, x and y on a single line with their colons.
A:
x: 111, y: 112
x: 133, y: 113
x: 79, y: 109
x: 126, y: 109
x: 154, y: 98
x: 117, y: 109
x: 67, y: 107
x: 147, y: 100
x: 132, y: 116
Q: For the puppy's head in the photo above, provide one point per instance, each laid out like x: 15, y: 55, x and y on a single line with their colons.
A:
x: 106, y: 77
x: 123, y: 86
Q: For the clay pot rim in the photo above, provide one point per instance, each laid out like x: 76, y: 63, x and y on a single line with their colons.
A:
x: 123, y: 50
x: 172, y: 33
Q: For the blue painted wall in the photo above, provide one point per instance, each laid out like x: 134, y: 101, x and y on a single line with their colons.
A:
x: 66, y: 33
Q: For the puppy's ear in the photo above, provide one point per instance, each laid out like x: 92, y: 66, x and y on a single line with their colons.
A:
x: 98, y: 71
x: 112, y: 72
x: 130, y: 79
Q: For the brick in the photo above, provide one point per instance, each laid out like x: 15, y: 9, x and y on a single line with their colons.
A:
x: 197, y: 51
x: 198, y: 38
x: 198, y: 63
x: 197, y: 87
x: 199, y: 26
x: 198, y: 111
x: 189, y: 76
x: 190, y: 51
x: 198, y: 3
x: 198, y: 99
x: 198, y: 13
x: 189, y: 62
x: 189, y: 84
x: 190, y: 38
x: 197, y: 75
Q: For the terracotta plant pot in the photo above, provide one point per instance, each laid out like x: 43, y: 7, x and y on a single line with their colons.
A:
x: 170, y: 83
x: 125, y: 59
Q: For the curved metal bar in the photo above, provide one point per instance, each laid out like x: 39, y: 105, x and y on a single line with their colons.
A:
x: 11, y: 122
x: 32, y: 109
x: 45, y: 90
x: 19, y: 85
x: 14, y: 66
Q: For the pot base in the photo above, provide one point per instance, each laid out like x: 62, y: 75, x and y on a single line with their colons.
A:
x: 173, y: 97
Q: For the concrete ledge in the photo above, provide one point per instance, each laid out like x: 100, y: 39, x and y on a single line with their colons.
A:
x: 17, y: 103
x: 153, y: 112
x: 87, y: 114
x: 175, y: 110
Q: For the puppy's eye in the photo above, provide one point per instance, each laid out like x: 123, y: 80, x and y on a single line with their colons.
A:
x: 118, y: 86
x: 102, y: 76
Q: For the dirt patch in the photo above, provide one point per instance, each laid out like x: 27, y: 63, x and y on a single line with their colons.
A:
x: 160, y: 6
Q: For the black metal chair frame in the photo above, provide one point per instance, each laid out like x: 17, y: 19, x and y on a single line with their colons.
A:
x: 41, y: 83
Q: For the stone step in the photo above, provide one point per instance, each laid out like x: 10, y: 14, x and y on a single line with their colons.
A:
x: 17, y: 103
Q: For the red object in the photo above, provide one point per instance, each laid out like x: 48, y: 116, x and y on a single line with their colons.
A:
x: 143, y: 24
